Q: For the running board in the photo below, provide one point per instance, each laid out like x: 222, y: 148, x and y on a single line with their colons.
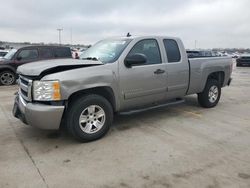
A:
x: 169, y: 103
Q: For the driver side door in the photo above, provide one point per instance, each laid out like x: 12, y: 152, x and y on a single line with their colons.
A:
x: 143, y: 84
x: 26, y: 56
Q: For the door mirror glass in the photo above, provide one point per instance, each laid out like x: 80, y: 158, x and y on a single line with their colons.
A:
x: 135, y: 59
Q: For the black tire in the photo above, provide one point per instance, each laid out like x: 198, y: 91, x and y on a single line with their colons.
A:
x: 75, y: 110
x: 7, y: 74
x: 204, y: 99
x: 238, y: 65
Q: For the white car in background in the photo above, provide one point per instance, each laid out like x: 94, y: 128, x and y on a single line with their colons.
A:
x: 3, y: 53
x: 76, y: 53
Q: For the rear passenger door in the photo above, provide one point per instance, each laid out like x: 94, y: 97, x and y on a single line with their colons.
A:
x: 177, y: 68
x: 62, y: 53
x: 46, y: 53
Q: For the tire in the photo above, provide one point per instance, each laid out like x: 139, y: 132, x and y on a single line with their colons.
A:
x: 210, y: 96
x: 7, y: 78
x: 238, y: 65
x: 87, y: 109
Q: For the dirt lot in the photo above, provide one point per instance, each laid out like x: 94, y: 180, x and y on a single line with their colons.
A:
x: 178, y: 146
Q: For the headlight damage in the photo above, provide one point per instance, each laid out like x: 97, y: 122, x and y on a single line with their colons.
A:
x: 46, y: 91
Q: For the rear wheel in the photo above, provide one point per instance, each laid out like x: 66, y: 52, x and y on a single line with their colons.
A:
x: 89, y: 117
x: 7, y: 78
x: 211, y: 94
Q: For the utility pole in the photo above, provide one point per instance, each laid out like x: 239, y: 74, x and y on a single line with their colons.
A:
x: 59, y: 32
x: 195, y: 44
x: 71, y: 36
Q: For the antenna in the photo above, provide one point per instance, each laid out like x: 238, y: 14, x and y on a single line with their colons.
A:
x: 128, y: 34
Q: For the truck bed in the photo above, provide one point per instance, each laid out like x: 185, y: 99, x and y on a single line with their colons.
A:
x: 201, y: 68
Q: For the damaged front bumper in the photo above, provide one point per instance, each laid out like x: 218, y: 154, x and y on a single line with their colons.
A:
x: 38, y: 115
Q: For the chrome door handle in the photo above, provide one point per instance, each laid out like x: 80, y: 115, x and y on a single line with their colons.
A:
x: 159, y: 71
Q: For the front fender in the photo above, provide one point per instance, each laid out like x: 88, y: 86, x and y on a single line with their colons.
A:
x: 86, y: 78
x: 7, y: 67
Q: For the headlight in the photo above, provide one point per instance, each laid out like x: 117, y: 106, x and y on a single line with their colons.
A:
x: 46, y: 91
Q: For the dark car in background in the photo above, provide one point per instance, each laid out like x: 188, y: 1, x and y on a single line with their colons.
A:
x: 199, y: 53
x: 15, y: 58
x: 243, y: 59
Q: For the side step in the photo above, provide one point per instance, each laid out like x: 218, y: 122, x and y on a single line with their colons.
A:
x: 168, y: 103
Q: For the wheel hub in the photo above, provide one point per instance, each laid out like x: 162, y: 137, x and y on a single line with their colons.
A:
x: 7, y: 78
x: 92, y: 119
x: 213, y: 94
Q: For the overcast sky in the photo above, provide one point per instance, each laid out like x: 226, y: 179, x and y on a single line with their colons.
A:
x: 213, y: 23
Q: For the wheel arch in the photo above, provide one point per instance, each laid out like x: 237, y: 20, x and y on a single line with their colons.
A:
x: 218, y: 75
x: 7, y: 68
x: 103, y: 91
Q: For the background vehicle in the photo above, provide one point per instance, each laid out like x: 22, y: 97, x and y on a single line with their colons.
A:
x: 15, y: 58
x: 199, y: 53
x: 115, y: 75
x: 243, y: 59
x: 3, y: 53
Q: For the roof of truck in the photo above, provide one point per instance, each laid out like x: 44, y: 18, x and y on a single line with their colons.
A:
x: 142, y: 37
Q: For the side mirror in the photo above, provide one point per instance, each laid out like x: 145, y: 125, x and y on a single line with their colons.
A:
x: 19, y: 58
x: 135, y: 59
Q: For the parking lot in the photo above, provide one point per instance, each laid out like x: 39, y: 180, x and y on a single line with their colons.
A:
x: 177, y: 146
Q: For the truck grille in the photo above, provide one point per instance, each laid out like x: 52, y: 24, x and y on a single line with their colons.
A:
x: 25, y: 88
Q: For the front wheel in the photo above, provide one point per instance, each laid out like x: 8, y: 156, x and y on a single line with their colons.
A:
x: 211, y: 94
x: 7, y: 78
x: 89, y: 117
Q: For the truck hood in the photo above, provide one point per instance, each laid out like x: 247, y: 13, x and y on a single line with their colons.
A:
x: 42, y: 68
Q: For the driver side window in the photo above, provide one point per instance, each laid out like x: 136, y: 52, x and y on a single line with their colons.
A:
x: 150, y: 48
x: 27, y: 55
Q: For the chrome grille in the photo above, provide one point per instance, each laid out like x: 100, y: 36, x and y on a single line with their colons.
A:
x: 25, y: 87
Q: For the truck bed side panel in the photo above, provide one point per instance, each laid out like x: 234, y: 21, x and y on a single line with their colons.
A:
x: 201, y: 68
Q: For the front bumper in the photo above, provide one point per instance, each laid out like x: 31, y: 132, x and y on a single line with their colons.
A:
x: 38, y: 115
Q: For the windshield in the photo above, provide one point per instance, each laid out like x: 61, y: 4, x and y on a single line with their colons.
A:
x: 106, y: 51
x: 10, y: 54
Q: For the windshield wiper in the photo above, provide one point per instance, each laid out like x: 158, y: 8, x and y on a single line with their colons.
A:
x: 90, y: 58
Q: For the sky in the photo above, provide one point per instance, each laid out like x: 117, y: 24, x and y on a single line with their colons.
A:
x: 211, y: 23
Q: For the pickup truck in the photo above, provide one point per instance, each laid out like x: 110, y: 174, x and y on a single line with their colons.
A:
x: 115, y: 75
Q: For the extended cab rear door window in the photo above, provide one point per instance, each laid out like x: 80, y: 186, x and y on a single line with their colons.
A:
x: 172, y: 50
x: 150, y: 48
x: 27, y: 54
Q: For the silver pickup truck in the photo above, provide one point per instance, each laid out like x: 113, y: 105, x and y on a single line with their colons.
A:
x: 115, y: 75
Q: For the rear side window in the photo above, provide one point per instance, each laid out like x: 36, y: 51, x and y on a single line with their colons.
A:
x: 46, y: 53
x: 172, y: 50
x: 62, y: 52
x: 150, y: 48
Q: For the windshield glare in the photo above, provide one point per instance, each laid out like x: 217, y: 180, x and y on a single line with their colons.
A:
x: 10, y: 54
x: 106, y: 51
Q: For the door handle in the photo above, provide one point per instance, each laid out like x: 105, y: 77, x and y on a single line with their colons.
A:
x: 159, y: 71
